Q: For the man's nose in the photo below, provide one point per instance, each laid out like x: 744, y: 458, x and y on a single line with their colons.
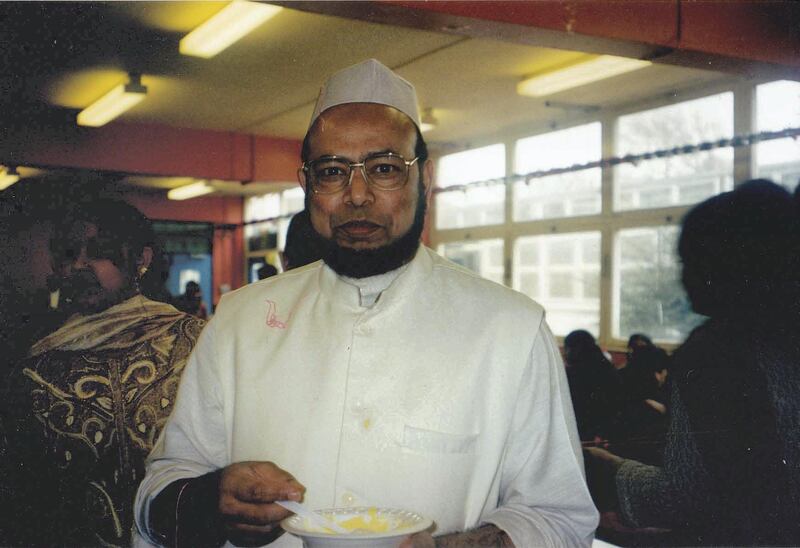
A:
x: 78, y: 262
x: 358, y: 193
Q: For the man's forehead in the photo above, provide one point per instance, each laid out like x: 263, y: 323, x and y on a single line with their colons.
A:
x: 383, y: 126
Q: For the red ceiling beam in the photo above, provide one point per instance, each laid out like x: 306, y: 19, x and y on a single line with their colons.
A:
x: 151, y: 149
x: 753, y: 38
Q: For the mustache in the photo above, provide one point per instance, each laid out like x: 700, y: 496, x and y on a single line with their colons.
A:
x: 79, y: 282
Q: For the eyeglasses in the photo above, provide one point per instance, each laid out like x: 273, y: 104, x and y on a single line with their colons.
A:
x: 332, y: 174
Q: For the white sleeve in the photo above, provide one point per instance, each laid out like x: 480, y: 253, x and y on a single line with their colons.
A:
x: 544, y: 500
x: 193, y: 441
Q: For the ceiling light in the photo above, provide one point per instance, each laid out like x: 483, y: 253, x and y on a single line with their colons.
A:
x: 113, y: 103
x: 8, y: 177
x: 598, y: 68
x: 428, y: 121
x: 190, y: 191
x: 226, y: 27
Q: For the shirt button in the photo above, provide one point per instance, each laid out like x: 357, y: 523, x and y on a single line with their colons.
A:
x: 363, y: 330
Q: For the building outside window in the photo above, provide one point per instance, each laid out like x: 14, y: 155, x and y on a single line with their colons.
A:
x: 562, y: 273
x: 484, y: 257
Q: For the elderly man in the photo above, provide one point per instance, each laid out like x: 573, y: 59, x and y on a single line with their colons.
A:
x: 81, y: 413
x: 383, y: 375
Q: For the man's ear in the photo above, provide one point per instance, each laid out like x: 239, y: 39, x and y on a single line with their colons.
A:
x: 427, y: 177
x: 301, y: 178
x: 146, y: 258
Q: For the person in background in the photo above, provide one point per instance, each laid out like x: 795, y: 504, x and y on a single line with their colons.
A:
x: 267, y: 271
x: 302, y: 244
x: 28, y: 288
x: 593, y: 385
x: 638, y: 340
x: 82, y: 411
x: 191, y: 301
x: 642, y: 425
x: 731, y: 473
x: 382, y: 376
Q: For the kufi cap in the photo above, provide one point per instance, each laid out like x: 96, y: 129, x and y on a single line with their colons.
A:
x: 367, y: 82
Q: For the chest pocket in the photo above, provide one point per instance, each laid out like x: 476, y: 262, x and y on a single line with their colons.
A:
x: 421, y: 440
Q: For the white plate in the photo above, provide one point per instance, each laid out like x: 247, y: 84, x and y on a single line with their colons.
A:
x: 402, y: 523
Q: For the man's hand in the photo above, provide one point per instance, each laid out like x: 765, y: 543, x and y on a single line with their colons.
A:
x: 247, y: 491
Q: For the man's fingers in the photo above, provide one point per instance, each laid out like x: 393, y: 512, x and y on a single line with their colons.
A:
x: 233, y: 510
x: 270, y: 490
x: 260, y: 482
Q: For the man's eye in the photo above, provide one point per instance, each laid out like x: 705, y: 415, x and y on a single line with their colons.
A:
x: 327, y: 172
x: 385, y: 169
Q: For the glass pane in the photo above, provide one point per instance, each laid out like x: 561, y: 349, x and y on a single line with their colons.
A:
x: 478, y: 206
x: 562, y: 273
x: 777, y: 108
x: 648, y: 295
x: 472, y: 207
x: 565, y: 195
x: 679, y: 180
x: 484, y: 257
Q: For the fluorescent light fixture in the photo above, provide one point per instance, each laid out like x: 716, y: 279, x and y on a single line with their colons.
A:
x: 226, y: 27
x: 427, y: 121
x: 113, y: 103
x: 593, y: 70
x: 8, y: 177
x: 190, y: 191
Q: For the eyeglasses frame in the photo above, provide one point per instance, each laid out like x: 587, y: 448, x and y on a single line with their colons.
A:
x: 362, y: 164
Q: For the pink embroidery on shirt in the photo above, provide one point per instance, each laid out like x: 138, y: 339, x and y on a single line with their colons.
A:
x: 272, y: 318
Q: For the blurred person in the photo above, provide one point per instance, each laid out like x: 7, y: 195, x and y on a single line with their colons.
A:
x: 642, y: 426
x: 594, y: 387
x: 731, y: 473
x: 81, y: 413
x: 638, y: 340
x: 302, y: 244
x: 191, y: 301
x: 383, y: 375
x: 27, y: 310
x: 267, y: 271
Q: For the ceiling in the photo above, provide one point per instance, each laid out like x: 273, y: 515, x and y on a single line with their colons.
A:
x: 57, y: 57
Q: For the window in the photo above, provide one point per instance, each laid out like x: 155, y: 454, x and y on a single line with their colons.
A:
x: 777, y: 108
x: 271, y: 234
x: 682, y: 179
x: 649, y: 297
x: 569, y: 194
x: 484, y: 205
x: 562, y: 273
x: 484, y: 257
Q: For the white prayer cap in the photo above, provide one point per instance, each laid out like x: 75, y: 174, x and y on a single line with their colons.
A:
x: 367, y: 82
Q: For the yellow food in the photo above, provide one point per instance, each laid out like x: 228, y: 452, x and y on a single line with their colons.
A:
x: 369, y: 523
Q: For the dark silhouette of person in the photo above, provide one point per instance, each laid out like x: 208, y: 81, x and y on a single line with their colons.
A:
x: 593, y: 386
x: 303, y: 246
x: 191, y: 301
x: 731, y: 473
x: 642, y: 425
x: 267, y: 271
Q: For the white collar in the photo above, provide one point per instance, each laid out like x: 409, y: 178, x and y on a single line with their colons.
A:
x: 371, y: 287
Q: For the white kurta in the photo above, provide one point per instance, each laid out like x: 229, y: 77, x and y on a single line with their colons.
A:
x: 447, y: 397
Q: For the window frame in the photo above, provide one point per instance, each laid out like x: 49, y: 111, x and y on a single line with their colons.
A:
x: 608, y: 222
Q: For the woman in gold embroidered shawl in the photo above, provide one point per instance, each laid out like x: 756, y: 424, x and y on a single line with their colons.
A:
x: 85, y: 408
